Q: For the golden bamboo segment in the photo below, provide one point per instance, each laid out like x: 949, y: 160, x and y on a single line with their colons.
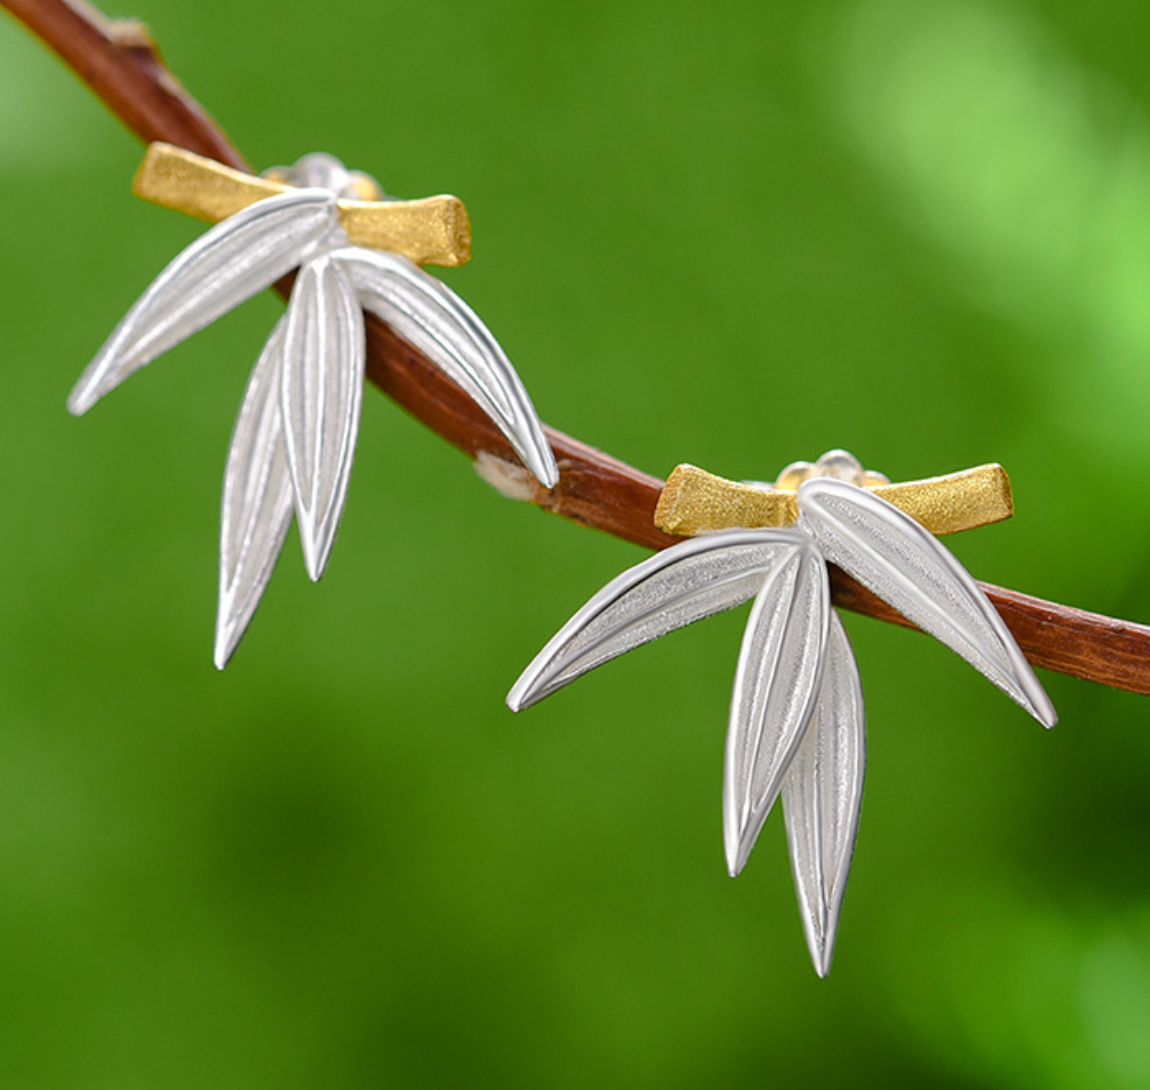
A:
x: 694, y: 501
x: 430, y: 231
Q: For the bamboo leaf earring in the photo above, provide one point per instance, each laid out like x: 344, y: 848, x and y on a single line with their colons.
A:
x: 797, y: 725
x: 294, y: 440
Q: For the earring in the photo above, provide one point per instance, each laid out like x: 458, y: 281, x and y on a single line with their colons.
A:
x: 294, y: 440
x: 797, y: 724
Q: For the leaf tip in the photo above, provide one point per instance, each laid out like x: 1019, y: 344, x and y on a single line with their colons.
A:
x: 542, y: 464
x: 738, y: 855
x: 82, y: 397
x: 1032, y: 697
x: 316, y: 543
x: 524, y: 692
x: 738, y: 840
x: 226, y: 640
x: 316, y: 563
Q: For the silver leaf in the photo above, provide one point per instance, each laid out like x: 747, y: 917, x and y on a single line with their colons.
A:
x: 905, y: 565
x: 690, y: 580
x: 321, y: 396
x: 822, y: 796
x: 257, y: 503
x: 776, y: 687
x: 233, y: 261
x: 430, y: 316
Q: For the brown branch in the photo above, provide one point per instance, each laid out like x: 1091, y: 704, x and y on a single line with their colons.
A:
x: 120, y: 64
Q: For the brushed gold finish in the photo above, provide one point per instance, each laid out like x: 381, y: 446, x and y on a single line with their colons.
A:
x: 694, y: 501
x: 430, y: 231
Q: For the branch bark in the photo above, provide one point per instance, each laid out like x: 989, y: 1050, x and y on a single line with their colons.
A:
x: 123, y: 68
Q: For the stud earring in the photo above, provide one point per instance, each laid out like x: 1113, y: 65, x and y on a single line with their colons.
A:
x: 797, y: 724
x: 294, y: 440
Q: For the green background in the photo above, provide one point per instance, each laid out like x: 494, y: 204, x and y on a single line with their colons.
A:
x: 735, y: 234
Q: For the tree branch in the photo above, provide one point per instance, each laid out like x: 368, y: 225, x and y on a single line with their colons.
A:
x: 122, y: 66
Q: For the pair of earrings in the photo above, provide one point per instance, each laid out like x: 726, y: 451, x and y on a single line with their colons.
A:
x: 797, y: 725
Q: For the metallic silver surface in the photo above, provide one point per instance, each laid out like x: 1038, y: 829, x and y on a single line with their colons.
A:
x: 776, y: 687
x: 822, y: 797
x: 906, y: 566
x: 434, y: 319
x: 327, y: 172
x: 691, y: 580
x: 797, y: 724
x: 232, y: 262
x: 321, y: 396
x: 257, y: 504
x: 300, y: 416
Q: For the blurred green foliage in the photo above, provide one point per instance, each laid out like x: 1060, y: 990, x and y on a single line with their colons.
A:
x: 735, y: 234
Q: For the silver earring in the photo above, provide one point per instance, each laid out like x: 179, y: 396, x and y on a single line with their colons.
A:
x: 294, y: 440
x: 797, y: 725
